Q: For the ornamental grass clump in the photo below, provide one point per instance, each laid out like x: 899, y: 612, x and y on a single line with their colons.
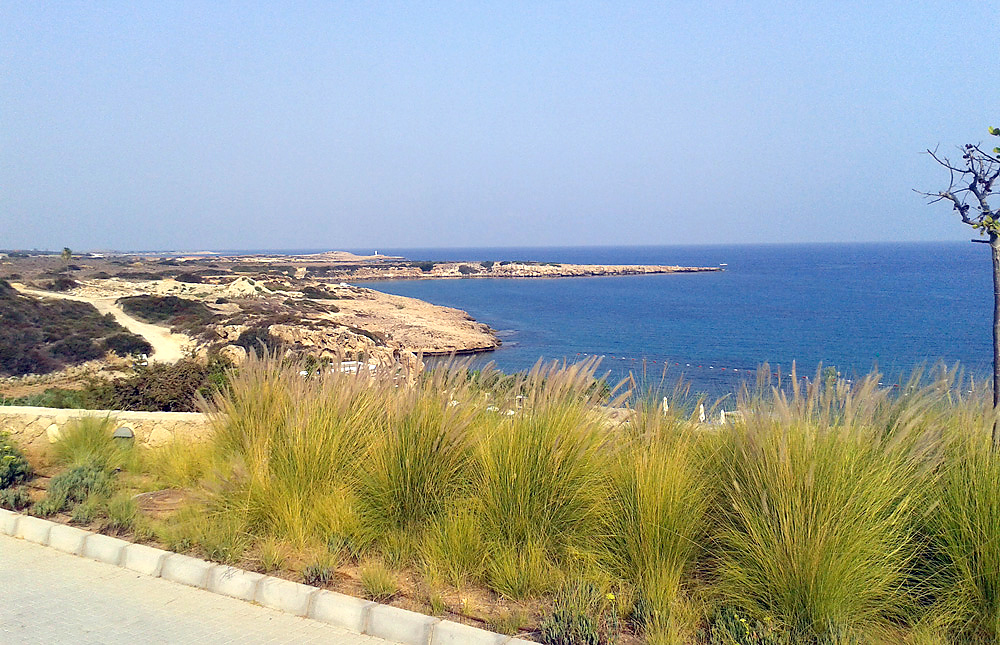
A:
x: 417, y: 467
x: 539, y: 475
x: 89, y: 440
x: 294, y: 445
x: 820, y: 495
x: 965, y: 527
x: 656, y: 517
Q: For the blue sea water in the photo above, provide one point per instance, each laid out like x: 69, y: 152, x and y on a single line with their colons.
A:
x: 850, y: 306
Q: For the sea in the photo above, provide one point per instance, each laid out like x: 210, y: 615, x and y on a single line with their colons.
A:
x: 855, y: 308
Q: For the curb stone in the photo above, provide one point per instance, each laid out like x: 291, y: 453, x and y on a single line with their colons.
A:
x: 144, y: 559
x: 344, y: 611
x: 8, y: 521
x: 104, y: 549
x: 34, y: 529
x: 400, y: 625
x: 354, y: 614
x: 187, y: 570
x: 233, y: 582
x: 449, y: 633
x: 67, y: 539
x: 285, y: 595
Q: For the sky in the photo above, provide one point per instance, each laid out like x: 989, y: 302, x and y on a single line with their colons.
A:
x: 290, y: 125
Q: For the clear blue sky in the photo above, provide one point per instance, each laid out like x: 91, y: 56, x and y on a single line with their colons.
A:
x: 152, y: 125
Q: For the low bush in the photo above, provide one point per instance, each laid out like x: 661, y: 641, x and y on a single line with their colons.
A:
x: 165, y: 309
x: 160, y: 387
x: 15, y: 499
x: 63, y: 284
x: 126, y: 344
x: 42, y: 335
x: 319, y: 572
x: 318, y: 294
x: 77, y: 349
x: 55, y: 397
x: 191, y: 278
x: 466, y: 269
x: 74, y: 486
x: 258, y: 340
x: 378, y: 337
x: 14, y: 466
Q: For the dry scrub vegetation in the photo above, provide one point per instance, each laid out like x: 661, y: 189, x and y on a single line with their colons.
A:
x: 833, y: 513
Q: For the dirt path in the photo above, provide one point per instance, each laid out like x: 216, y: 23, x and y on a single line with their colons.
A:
x: 168, y: 347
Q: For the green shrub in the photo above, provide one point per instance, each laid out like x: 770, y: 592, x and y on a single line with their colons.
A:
x: 15, y: 499
x: 41, y: 335
x: 160, y: 309
x: 76, y: 349
x: 126, y: 344
x: 376, y: 336
x: 465, y: 269
x: 162, y: 387
x: 318, y: 294
x: 258, y: 340
x: 88, y: 511
x: 74, y: 486
x: 14, y: 467
x: 55, y: 397
x: 319, y: 572
x: 63, y: 284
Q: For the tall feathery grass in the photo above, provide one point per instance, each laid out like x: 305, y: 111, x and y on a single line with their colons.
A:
x: 964, y: 529
x: 823, y: 513
x: 656, y: 517
x: 820, y: 497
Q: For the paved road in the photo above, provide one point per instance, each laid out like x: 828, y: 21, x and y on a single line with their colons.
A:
x: 168, y: 347
x: 50, y: 597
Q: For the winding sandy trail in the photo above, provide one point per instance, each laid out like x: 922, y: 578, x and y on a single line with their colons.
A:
x: 168, y: 347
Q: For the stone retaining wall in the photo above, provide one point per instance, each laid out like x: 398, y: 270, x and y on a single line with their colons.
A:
x: 34, y: 428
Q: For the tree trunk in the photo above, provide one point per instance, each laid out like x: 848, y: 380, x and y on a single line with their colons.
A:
x: 995, y: 249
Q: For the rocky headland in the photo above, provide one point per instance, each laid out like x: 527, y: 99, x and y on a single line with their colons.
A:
x: 204, y: 302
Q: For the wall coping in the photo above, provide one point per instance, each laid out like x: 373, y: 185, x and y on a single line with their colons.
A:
x: 117, y: 414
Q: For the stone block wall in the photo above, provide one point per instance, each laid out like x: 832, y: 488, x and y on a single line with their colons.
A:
x: 35, y: 428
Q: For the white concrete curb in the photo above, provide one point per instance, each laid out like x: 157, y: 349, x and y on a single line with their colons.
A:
x: 354, y: 614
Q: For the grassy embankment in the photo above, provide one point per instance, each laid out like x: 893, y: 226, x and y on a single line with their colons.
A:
x: 831, y: 514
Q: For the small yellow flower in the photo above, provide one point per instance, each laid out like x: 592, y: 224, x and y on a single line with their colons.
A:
x: 610, y: 596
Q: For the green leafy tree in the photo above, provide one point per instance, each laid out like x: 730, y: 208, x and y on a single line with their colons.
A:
x: 67, y: 254
x: 969, y: 191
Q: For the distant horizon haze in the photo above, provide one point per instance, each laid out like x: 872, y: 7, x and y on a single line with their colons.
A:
x: 206, y: 125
